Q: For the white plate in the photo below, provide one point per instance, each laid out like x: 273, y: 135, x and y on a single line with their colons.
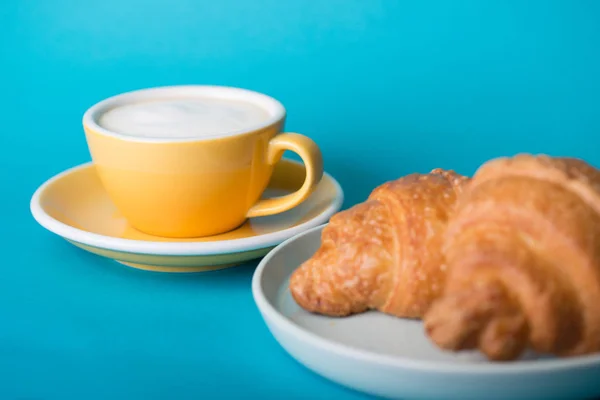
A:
x: 392, y: 357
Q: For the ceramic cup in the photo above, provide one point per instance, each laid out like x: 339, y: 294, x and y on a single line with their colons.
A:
x: 194, y: 187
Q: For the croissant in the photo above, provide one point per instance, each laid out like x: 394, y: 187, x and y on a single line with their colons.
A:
x: 523, y: 257
x: 383, y: 254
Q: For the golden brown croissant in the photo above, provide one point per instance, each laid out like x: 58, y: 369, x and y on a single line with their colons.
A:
x: 523, y: 257
x: 384, y: 253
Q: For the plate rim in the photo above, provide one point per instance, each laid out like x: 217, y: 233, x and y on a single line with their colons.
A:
x: 174, y: 248
x: 283, y: 323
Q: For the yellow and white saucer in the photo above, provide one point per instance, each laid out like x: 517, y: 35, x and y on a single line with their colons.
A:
x: 74, y: 205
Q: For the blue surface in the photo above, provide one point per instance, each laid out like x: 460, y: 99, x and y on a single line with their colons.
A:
x: 385, y: 87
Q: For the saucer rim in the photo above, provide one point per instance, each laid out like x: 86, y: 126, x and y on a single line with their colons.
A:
x: 273, y: 316
x: 175, y: 248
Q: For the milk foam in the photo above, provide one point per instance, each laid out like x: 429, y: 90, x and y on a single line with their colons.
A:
x: 183, y: 118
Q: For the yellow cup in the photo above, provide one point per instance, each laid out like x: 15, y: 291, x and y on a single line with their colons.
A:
x: 174, y: 187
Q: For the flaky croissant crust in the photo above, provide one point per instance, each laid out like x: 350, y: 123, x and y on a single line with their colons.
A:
x: 523, y: 255
x: 384, y: 253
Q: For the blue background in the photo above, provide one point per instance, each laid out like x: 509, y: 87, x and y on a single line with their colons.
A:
x: 385, y: 87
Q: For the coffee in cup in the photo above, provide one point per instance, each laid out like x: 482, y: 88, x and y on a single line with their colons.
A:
x: 183, y: 118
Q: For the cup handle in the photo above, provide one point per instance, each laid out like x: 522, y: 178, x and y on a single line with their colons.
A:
x: 313, y: 161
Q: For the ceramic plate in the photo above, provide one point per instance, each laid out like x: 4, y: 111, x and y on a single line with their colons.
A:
x: 391, y: 357
x: 75, y: 205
